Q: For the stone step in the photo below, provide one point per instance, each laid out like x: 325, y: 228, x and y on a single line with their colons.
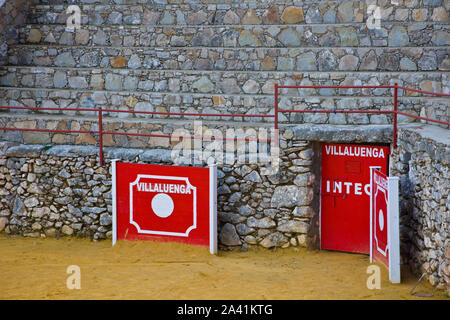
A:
x: 437, y: 108
x: 155, y: 148
x: 190, y: 2
x: 235, y: 59
x: 110, y: 124
x: 216, y: 82
x: 281, y: 36
x: 245, y: 13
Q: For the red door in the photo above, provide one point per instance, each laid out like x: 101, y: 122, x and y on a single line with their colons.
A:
x: 345, y: 195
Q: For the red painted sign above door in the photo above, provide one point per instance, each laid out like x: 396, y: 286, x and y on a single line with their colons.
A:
x: 345, y: 194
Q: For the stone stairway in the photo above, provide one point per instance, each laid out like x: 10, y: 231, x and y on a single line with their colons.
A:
x: 224, y: 57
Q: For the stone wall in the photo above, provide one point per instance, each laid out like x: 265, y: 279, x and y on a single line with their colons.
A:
x: 61, y: 190
x: 219, y: 92
x: 422, y: 163
x: 225, y: 56
x: 13, y: 14
x: 202, y: 56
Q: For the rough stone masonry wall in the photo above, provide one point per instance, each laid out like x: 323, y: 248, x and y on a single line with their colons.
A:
x: 13, y: 14
x: 225, y: 56
x: 253, y: 209
x: 422, y: 163
x: 221, y: 92
x: 62, y: 190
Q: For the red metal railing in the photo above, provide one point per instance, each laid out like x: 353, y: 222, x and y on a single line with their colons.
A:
x: 394, y: 112
x: 277, y: 110
x: 100, y: 131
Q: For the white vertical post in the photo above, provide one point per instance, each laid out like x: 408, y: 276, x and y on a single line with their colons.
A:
x: 393, y: 230
x: 213, y: 208
x: 114, y: 201
x: 371, y: 212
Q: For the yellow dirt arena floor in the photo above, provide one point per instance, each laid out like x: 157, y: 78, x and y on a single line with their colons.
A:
x: 37, y: 269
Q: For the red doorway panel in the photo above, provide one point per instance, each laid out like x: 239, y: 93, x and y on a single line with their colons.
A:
x: 345, y: 195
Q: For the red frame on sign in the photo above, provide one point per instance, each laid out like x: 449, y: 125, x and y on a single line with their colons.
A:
x: 384, y: 223
x: 380, y: 219
x: 162, y: 203
x: 345, y: 194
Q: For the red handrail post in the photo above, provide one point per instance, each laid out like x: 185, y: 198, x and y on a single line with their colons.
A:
x: 276, y: 116
x: 276, y: 106
x: 100, y: 135
x: 395, y: 115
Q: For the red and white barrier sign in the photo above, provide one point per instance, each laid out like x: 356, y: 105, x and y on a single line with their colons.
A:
x: 165, y: 203
x: 384, y: 223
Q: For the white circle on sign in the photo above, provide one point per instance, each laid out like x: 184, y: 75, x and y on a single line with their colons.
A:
x: 162, y: 205
x: 381, y: 220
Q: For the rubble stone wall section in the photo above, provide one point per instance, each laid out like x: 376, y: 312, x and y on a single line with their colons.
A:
x: 422, y: 163
x: 62, y: 190
x: 197, y: 56
x: 13, y: 14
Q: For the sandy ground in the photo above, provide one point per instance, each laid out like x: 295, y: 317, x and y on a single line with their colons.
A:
x: 36, y: 269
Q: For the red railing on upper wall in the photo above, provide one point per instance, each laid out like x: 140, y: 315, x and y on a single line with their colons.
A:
x: 277, y: 110
x: 100, y: 131
x: 394, y: 111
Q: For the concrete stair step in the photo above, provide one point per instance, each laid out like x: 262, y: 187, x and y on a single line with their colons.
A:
x: 235, y: 59
x: 281, y: 36
x: 110, y: 124
x: 221, y: 104
x: 217, y: 82
x: 241, y: 12
x: 172, y: 2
